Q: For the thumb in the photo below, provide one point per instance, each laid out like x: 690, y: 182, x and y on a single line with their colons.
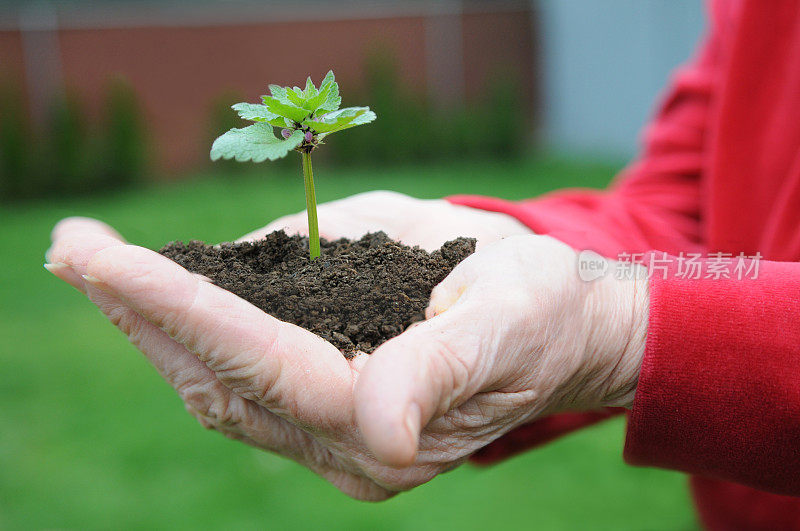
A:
x: 418, y: 376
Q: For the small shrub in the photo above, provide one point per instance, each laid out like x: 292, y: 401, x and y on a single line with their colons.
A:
x: 411, y: 129
x: 65, y: 159
x: 66, y: 155
x: 15, y: 143
x: 122, y: 156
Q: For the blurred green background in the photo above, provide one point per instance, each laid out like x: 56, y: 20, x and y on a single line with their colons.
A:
x: 92, y: 438
x: 108, y: 109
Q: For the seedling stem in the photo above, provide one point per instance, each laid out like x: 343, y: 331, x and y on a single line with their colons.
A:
x: 311, y: 206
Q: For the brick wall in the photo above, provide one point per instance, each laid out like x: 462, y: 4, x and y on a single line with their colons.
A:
x: 178, y: 69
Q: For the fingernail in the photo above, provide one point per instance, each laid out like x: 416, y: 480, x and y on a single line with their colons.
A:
x: 66, y: 273
x: 94, y: 281
x: 412, y: 421
x: 56, y: 267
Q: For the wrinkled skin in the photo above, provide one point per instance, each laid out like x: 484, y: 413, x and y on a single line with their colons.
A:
x: 512, y: 334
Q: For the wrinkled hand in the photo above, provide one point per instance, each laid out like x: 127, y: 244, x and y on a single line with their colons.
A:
x: 268, y: 383
x: 521, y: 336
x: 511, y: 335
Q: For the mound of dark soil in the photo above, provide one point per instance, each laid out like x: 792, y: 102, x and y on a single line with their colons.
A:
x: 357, y: 294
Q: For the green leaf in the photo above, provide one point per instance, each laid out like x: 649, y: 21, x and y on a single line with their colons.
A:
x: 327, y: 100
x: 341, y: 119
x: 329, y: 79
x: 288, y: 107
x: 313, y: 103
x: 279, y: 93
x: 287, y: 95
x: 287, y: 110
x: 258, y: 113
x: 332, y: 99
x: 295, y: 96
x: 363, y: 119
x: 310, y: 90
x: 256, y: 142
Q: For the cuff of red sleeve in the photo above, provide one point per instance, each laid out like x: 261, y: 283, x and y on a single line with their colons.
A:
x: 568, y: 218
x: 531, y: 213
x: 719, y: 389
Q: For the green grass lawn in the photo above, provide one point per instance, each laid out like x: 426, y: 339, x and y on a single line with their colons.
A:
x: 91, y: 437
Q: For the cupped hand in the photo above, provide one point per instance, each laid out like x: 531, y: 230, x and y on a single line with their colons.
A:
x: 512, y: 334
x: 267, y: 383
x: 256, y: 379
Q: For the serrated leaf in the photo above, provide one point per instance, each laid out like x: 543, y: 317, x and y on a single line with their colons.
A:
x: 333, y: 101
x: 258, y: 113
x: 341, y: 119
x: 287, y: 110
x: 362, y: 119
x: 310, y: 91
x: 313, y: 104
x: 256, y: 142
x: 295, y: 97
x: 279, y: 93
x: 333, y: 121
x: 327, y: 97
x: 328, y: 79
x: 287, y: 107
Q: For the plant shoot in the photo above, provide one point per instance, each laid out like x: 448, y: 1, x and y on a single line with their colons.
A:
x: 304, y: 117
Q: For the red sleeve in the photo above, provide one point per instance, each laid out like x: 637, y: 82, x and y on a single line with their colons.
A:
x: 719, y: 389
x: 653, y: 204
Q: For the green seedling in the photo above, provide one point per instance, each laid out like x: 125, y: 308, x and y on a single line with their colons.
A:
x: 304, y: 117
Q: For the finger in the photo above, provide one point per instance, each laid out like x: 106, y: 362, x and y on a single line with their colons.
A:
x: 76, y: 224
x: 281, y: 366
x: 75, y: 241
x: 77, y: 248
x: 448, y: 292
x: 213, y: 404
x: 66, y: 273
x: 418, y: 376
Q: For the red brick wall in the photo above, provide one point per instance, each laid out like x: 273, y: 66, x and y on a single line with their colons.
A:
x: 178, y: 71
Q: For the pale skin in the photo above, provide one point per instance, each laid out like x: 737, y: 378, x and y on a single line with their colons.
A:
x: 511, y: 335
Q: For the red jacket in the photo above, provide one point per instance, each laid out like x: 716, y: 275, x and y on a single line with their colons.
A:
x: 719, y: 390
